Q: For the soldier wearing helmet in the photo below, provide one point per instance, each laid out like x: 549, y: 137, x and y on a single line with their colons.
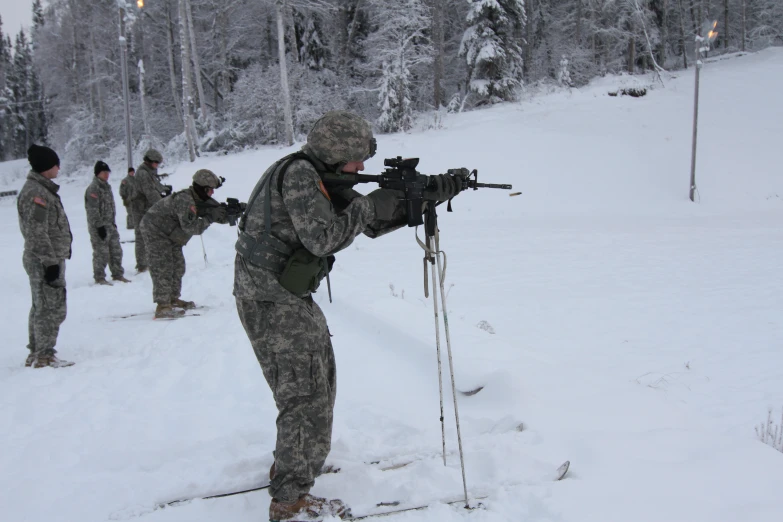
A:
x: 167, y: 227
x: 147, y: 190
x: 291, y: 229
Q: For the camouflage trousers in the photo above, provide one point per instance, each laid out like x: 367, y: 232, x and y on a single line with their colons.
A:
x: 106, y: 251
x: 292, y: 344
x: 48, y: 310
x: 167, y: 267
x: 141, y: 250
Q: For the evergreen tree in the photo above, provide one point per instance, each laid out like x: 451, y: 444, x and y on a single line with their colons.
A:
x: 313, y: 53
x: 397, y: 46
x: 6, y: 144
x: 490, y: 47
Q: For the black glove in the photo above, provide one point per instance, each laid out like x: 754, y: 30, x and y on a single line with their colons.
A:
x: 166, y: 190
x: 386, y: 202
x: 219, y: 214
x: 52, y: 273
x: 443, y: 187
x: 102, y: 232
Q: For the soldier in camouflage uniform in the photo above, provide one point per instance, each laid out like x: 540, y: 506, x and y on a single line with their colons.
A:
x: 167, y: 227
x: 291, y: 228
x: 148, y: 191
x: 128, y: 194
x: 47, y: 244
x: 106, y: 249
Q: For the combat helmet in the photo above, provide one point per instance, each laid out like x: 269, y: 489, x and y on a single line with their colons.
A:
x: 153, y: 156
x: 340, y: 137
x: 207, y: 178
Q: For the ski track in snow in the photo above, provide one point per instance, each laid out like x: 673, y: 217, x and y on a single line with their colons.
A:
x: 636, y: 334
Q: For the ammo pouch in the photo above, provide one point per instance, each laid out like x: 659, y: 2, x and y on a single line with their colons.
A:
x: 304, y: 271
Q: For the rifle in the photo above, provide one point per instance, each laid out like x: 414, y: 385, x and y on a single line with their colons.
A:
x: 401, y: 174
x: 234, y: 209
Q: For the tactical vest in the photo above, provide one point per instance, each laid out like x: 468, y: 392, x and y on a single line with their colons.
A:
x: 299, y: 271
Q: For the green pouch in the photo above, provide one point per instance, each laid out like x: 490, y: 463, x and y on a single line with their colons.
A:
x: 302, y: 273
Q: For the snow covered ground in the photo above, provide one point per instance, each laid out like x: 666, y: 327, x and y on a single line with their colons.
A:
x: 628, y: 330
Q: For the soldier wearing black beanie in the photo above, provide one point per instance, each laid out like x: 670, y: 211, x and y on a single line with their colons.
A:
x: 101, y: 166
x: 42, y: 158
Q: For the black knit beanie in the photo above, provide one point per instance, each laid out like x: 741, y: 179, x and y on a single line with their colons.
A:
x: 101, y: 166
x: 42, y: 158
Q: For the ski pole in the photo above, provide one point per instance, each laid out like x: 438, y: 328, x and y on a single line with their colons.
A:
x: 441, y: 277
x: 204, y: 250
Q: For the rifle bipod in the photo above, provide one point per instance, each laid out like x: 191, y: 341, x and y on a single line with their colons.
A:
x: 432, y: 255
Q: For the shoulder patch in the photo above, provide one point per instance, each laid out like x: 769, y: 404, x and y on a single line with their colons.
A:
x: 39, y: 201
x: 322, y: 188
x: 94, y: 195
x: 193, y: 208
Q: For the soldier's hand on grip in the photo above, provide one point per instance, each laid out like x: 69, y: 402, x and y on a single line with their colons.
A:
x: 385, y: 201
x: 220, y: 215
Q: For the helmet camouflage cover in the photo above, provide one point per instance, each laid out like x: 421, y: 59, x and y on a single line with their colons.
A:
x: 153, y: 155
x: 207, y: 178
x: 340, y: 137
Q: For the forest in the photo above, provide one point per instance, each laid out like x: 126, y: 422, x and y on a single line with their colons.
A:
x: 207, y: 76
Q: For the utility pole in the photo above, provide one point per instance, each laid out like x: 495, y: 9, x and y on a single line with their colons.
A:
x: 702, y: 46
x: 125, y: 91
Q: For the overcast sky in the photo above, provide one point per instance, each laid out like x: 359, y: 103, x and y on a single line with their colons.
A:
x: 16, y: 13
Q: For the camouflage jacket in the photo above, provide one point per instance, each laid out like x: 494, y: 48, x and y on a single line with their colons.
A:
x: 304, y: 215
x: 99, y: 203
x: 148, y: 186
x: 176, y: 218
x: 42, y: 219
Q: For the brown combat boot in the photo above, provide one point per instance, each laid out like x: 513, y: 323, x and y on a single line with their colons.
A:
x: 185, y: 305
x: 103, y: 281
x: 42, y: 361
x: 121, y: 279
x: 308, y: 508
x: 165, y: 311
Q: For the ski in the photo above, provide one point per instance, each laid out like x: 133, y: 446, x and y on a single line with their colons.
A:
x: 188, y: 313
x: 560, y: 473
x: 327, y: 470
x: 208, y: 497
x: 419, y: 507
x: 562, y: 470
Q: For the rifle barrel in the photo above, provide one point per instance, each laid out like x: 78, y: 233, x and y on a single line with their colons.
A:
x: 491, y: 185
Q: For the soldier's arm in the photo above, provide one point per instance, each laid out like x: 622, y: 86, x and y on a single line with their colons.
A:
x: 320, y: 228
x: 187, y: 214
x: 342, y: 197
x: 92, y: 203
x: 34, y: 212
x: 124, y: 192
x: 149, y: 186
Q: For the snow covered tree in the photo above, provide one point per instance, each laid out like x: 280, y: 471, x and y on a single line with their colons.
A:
x: 490, y: 47
x: 6, y: 142
x: 397, y: 46
x: 313, y: 53
x: 564, y: 76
